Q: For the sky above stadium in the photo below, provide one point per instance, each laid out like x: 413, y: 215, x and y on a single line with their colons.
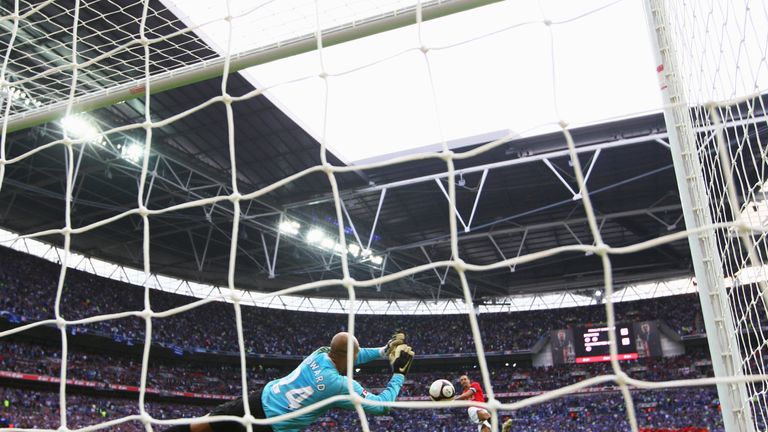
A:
x: 596, y: 66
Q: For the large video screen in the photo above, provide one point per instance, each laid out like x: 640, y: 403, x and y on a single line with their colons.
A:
x: 591, y: 343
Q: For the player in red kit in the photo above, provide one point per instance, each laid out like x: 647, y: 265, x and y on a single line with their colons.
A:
x: 471, y: 390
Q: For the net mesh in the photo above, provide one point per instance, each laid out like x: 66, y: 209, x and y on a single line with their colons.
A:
x: 722, y: 64
x: 719, y: 65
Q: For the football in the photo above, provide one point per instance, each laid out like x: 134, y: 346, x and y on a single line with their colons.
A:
x: 441, y: 390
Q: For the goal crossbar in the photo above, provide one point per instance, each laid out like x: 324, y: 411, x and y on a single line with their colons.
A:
x: 205, y: 70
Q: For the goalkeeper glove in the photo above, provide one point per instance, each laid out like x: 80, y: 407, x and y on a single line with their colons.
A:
x: 401, y: 359
x: 397, y: 339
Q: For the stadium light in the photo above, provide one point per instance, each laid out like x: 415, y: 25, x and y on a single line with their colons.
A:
x: 328, y: 243
x: 315, y: 235
x: 289, y: 227
x: 16, y: 94
x: 339, y: 248
x: 132, y: 152
x: 78, y: 126
x: 353, y: 250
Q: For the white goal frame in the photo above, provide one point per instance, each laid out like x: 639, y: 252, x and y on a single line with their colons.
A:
x: 708, y: 266
x: 215, y: 68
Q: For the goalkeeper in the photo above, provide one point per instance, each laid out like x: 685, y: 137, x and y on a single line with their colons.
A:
x: 319, y: 376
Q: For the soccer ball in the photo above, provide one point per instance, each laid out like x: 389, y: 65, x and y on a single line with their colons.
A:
x: 441, y: 390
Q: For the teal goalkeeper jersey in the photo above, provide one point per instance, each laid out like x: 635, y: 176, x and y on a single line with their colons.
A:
x: 315, y: 379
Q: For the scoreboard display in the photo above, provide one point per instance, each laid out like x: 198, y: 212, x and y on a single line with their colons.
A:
x: 591, y: 343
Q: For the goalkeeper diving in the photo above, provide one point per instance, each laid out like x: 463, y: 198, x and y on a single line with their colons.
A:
x: 320, y: 376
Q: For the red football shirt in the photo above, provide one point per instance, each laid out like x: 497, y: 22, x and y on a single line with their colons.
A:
x: 478, y: 396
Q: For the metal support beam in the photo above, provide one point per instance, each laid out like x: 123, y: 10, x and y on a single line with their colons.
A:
x: 351, y: 224
x: 573, y: 234
x: 152, y: 181
x: 592, y: 165
x: 467, y: 226
x: 442, y: 277
x: 383, y: 271
x: 498, y: 249
x: 533, y: 227
x: 273, y: 262
x: 376, y: 218
x: 576, y: 196
x: 200, y: 258
x: 519, y: 249
x: 668, y: 226
x: 477, y: 199
x: 617, y: 143
x: 455, y: 210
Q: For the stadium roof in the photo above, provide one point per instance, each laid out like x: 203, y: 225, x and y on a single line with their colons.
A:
x: 515, y: 199
x: 476, y: 59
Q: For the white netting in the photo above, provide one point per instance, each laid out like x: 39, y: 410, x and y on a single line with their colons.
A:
x: 107, y: 49
x: 140, y: 45
x: 721, y: 49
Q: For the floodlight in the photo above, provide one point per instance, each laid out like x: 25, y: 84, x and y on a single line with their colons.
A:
x: 328, y: 243
x: 315, y: 235
x: 132, y: 152
x: 78, y: 126
x: 289, y: 227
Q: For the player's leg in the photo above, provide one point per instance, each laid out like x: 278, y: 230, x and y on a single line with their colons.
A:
x: 481, y: 418
x: 506, y: 426
x: 483, y: 415
x: 231, y: 408
x: 237, y: 408
x: 474, y: 414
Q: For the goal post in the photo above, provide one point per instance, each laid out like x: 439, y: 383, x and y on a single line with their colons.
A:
x: 682, y: 51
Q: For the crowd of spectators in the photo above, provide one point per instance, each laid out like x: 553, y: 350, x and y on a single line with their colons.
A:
x: 28, y: 289
x: 604, y: 412
x: 163, y: 374
x: 669, y: 409
x: 224, y: 379
x: 24, y: 408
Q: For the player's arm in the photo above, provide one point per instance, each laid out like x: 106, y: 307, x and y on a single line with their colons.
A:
x: 370, y: 354
x: 466, y: 395
x: 401, y: 359
x: 389, y: 394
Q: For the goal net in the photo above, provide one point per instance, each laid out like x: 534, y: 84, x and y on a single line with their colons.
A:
x: 711, y: 68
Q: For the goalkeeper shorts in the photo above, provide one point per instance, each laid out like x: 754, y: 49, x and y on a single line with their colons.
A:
x: 236, y: 408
